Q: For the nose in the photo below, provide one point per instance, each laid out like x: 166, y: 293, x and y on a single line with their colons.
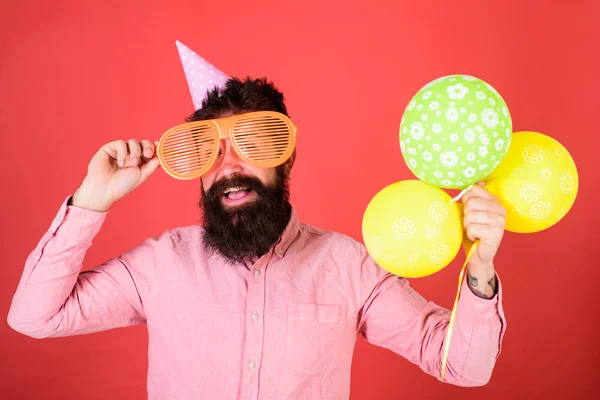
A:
x: 229, y: 161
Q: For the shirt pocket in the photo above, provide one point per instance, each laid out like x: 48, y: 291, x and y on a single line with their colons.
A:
x: 314, y: 337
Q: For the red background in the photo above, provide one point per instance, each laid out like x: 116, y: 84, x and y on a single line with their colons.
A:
x: 75, y: 76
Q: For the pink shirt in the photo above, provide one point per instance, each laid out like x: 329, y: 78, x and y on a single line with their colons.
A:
x: 282, y: 328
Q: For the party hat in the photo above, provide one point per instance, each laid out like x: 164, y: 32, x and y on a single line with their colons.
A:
x: 201, y: 75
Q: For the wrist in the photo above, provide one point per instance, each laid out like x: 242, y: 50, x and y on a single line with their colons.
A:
x: 477, y: 264
x: 88, y: 198
x: 481, y: 279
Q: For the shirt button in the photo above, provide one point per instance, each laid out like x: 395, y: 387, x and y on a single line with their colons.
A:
x: 256, y: 272
x: 251, y: 365
x: 254, y: 316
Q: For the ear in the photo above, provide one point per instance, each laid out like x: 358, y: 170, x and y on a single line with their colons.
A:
x: 287, y: 166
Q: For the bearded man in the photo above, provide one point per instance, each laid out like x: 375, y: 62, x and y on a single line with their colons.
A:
x: 250, y: 303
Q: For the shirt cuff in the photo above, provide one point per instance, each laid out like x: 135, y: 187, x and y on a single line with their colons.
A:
x: 77, y: 223
x: 480, y: 311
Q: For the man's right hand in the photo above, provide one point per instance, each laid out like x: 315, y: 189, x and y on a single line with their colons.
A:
x: 116, y: 170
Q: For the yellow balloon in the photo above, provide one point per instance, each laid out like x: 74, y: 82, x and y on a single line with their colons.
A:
x: 537, y: 182
x: 412, y: 229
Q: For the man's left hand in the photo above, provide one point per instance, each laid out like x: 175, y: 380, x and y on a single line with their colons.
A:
x: 484, y: 219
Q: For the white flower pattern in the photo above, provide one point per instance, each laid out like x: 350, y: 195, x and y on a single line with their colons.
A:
x: 489, y: 117
x: 464, y: 121
x: 452, y: 114
x: 438, y: 210
x: 417, y: 131
x: 499, y: 144
x: 469, y: 172
x: 403, y: 229
x: 567, y: 183
x: 484, y: 139
x: 469, y: 135
x: 531, y: 193
x: 431, y: 232
x: 457, y: 91
x: 440, y: 253
x: 449, y: 159
x: 540, y: 210
x: 546, y: 174
x: 533, y: 153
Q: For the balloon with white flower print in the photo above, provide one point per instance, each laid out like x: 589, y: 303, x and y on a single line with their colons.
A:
x: 455, y: 131
x: 537, y: 182
x: 412, y: 229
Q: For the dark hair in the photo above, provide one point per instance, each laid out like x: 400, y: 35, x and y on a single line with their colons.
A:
x: 239, y: 96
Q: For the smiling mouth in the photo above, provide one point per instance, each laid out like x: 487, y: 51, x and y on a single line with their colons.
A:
x: 236, y: 195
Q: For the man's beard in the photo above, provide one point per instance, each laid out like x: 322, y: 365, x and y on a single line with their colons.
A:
x: 248, y: 231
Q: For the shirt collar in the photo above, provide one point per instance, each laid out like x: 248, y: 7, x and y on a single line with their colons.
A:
x: 289, y: 234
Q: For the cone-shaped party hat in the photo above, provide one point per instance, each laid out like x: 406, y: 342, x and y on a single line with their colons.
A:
x: 201, y: 75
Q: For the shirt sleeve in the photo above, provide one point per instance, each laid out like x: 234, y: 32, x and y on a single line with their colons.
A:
x: 55, y: 298
x: 396, y: 317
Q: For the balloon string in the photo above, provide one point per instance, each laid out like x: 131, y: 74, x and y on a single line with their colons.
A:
x: 461, y: 194
x: 453, y: 315
x: 460, y: 280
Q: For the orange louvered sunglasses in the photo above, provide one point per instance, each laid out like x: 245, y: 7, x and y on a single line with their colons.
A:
x: 263, y: 138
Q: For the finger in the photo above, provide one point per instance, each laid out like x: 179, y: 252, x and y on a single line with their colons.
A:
x: 135, y: 151
x: 147, y: 149
x: 486, y: 233
x: 481, y: 204
x: 121, y: 148
x: 483, y: 218
x: 148, y: 169
x: 479, y: 191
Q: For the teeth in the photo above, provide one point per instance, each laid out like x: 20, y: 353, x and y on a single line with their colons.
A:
x: 234, y: 189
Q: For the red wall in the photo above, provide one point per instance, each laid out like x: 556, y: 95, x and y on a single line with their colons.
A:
x: 73, y: 77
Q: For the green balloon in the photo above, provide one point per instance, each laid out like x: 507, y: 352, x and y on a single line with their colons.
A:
x: 455, y: 131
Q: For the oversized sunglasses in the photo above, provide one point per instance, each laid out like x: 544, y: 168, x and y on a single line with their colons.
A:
x: 263, y: 138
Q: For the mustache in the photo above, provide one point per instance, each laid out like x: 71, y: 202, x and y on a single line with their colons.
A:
x: 250, y: 182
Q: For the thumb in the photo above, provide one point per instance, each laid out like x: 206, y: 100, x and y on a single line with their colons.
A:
x: 148, y: 169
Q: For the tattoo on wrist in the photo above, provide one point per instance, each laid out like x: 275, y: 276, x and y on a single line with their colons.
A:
x: 478, y: 291
x: 494, y: 285
x: 472, y: 280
